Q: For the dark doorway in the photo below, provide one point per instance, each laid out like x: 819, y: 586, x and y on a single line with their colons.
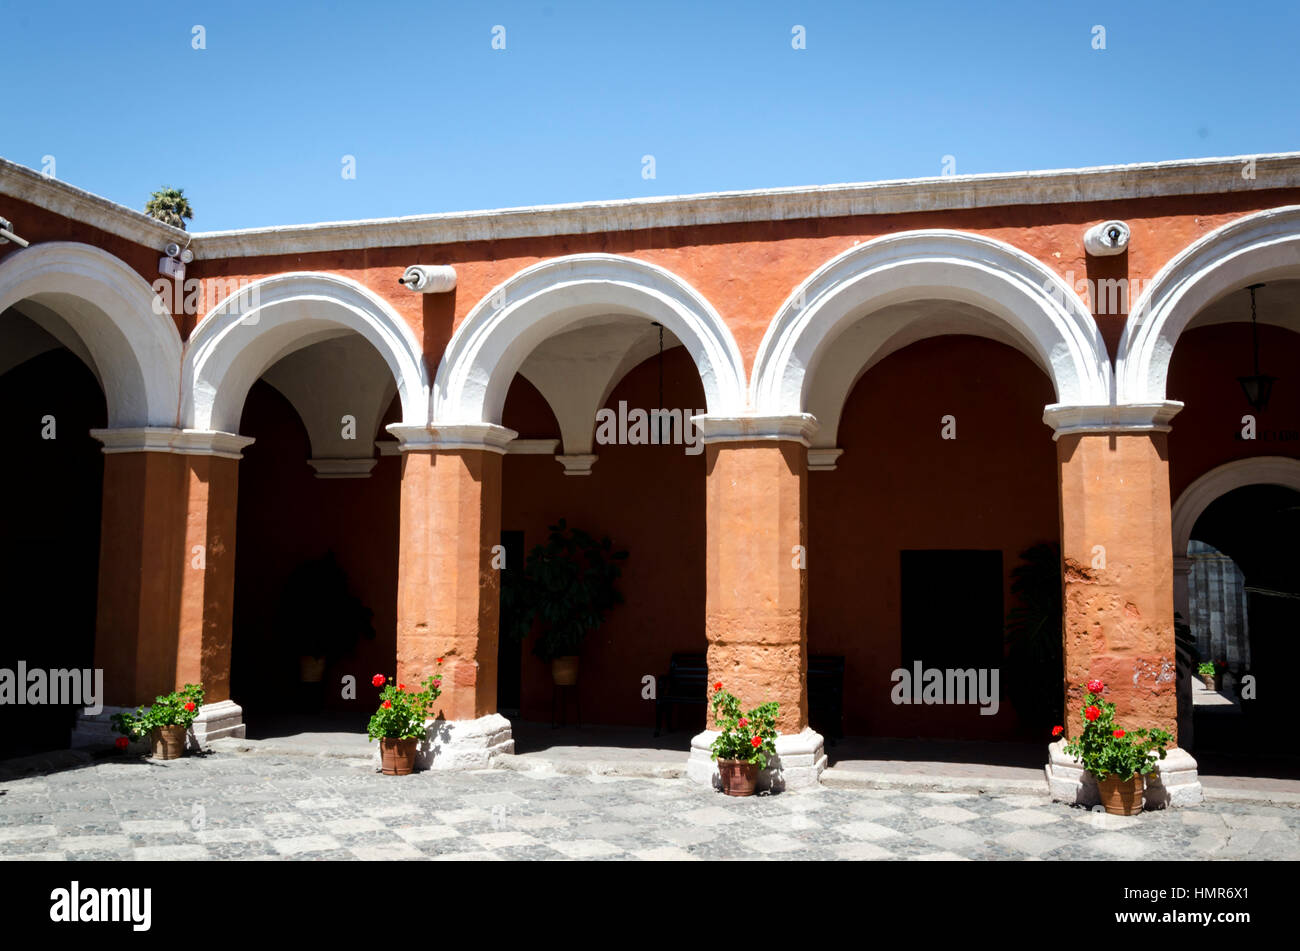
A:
x: 951, y: 605
x: 509, y: 650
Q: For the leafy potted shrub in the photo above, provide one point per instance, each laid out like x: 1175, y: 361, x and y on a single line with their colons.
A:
x: 165, y: 724
x: 745, y: 742
x: 1208, y: 672
x: 1118, y: 759
x: 322, y: 618
x: 399, y: 723
x: 566, y: 587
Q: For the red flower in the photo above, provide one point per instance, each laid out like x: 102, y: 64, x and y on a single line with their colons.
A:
x: 1118, y: 734
x: 718, y: 685
x: 744, y: 722
x: 440, y: 660
x: 401, y: 686
x: 1092, y: 713
x: 756, y: 742
x: 1096, y: 686
x: 1057, y: 730
x: 122, y: 742
x: 189, y: 707
x: 387, y: 705
x: 377, y: 680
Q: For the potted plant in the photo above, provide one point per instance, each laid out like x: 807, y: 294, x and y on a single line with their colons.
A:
x: 322, y: 618
x: 1208, y: 671
x: 1118, y: 759
x: 566, y: 588
x: 399, y: 723
x: 165, y: 723
x: 745, y: 742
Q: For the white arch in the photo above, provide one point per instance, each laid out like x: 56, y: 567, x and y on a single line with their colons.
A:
x: 498, y: 334
x: 1196, y: 498
x: 1031, y: 307
x: 124, y: 326
x: 255, y: 327
x: 1259, y: 247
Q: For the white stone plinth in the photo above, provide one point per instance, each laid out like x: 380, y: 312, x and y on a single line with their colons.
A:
x: 214, y: 721
x: 463, y: 744
x: 1174, y: 783
x: 798, y: 763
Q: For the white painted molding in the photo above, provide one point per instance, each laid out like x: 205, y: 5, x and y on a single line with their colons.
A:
x: 126, y: 330
x: 429, y: 278
x: 1106, y: 239
x: 1261, y: 247
x: 578, y: 464
x: 488, y: 437
x: 1196, y: 498
x: 796, y: 427
x: 184, y: 442
x: 823, y: 460
x: 543, y: 300
x: 342, y: 468
x: 1034, y: 306
x: 533, y: 447
x: 799, y: 762
x: 1133, y: 418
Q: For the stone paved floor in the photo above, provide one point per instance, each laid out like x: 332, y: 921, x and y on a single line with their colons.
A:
x: 248, y: 806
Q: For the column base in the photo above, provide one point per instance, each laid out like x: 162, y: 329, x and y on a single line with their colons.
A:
x: 215, y: 720
x: 798, y: 764
x: 463, y: 744
x: 1174, y: 783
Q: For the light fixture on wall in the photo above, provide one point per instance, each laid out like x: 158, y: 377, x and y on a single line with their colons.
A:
x: 1259, y: 387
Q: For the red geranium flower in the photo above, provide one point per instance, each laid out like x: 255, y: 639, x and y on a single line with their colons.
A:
x: 387, y: 705
x: 1057, y: 730
x: 718, y: 685
x: 189, y: 707
x: 377, y: 680
x: 440, y: 660
x: 401, y: 686
x: 744, y: 722
x: 122, y: 742
x: 1096, y: 686
x: 1092, y: 713
x: 757, y: 742
x: 1118, y: 734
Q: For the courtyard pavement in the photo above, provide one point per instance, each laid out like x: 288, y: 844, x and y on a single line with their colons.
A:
x: 237, y: 805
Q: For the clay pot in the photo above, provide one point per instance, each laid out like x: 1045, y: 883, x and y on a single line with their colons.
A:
x: 397, y: 757
x: 168, y: 742
x: 564, y: 670
x: 311, y: 670
x: 1122, y: 797
x: 738, y: 777
x: 1209, y: 681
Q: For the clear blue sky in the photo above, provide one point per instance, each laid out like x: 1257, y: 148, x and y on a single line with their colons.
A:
x: 256, y: 125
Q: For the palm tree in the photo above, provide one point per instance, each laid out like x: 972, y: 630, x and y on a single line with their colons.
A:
x: 170, y: 206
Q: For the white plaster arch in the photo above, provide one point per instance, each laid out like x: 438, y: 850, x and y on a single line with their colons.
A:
x: 252, y: 329
x: 1031, y: 308
x: 544, y: 299
x: 1264, y: 246
x: 113, y: 311
x: 1197, y: 497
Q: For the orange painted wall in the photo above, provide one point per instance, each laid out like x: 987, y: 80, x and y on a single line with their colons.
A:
x: 898, y: 486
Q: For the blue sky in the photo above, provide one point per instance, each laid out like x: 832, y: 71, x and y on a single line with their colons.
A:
x: 255, y: 126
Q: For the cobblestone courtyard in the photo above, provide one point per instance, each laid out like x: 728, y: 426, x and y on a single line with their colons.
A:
x: 239, y: 806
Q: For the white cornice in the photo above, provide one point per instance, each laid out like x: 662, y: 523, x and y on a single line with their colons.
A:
x: 941, y: 193
x: 184, y: 442
x: 17, y: 181
x: 488, y: 437
x: 798, y: 428
x: 342, y: 468
x: 1125, y: 418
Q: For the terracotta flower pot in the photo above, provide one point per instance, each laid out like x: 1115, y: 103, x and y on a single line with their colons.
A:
x: 311, y: 670
x: 564, y: 670
x: 738, y: 777
x: 1122, y: 797
x: 397, y: 757
x: 168, y: 742
x: 1209, y: 681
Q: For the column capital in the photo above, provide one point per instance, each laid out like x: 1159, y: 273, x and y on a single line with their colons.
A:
x: 358, y: 468
x: 798, y: 427
x: 1124, y: 418
x: 185, y: 442
x: 487, y: 437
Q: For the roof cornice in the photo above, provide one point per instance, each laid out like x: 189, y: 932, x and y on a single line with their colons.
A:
x: 941, y: 193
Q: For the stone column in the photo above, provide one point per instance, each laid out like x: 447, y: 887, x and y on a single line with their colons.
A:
x: 1119, y: 584
x: 166, y: 574
x: 756, y: 602
x: 448, y: 588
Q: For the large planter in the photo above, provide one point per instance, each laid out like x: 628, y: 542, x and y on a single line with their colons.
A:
x: 397, y: 757
x: 168, y: 742
x: 738, y: 777
x: 311, y: 670
x: 1122, y: 797
x: 1209, y: 681
x: 564, y: 670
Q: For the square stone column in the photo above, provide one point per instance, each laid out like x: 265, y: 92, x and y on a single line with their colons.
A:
x: 166, y: 574
x: 1118, y: 568
x: 448, y: 589
x: 756, y: 601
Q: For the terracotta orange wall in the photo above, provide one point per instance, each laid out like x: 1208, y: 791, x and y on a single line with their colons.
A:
x: 1203, y: 375
x: 650, y: 501
x: 899, y: 486
x: 747, y: 270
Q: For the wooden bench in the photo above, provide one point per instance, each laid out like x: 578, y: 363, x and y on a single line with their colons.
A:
x: 687, y: 682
